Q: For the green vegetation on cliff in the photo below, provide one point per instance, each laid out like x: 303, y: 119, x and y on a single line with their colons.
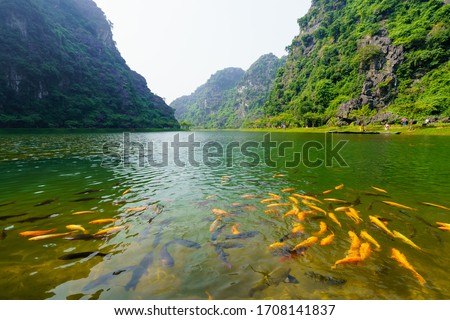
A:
x: 391, y: 56
x: 59, y: 67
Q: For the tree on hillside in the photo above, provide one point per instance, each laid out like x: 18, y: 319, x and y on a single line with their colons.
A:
x: 363, y: 114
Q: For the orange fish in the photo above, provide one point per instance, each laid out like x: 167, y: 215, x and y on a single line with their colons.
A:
x: 435, y: 205
x: 332, y: 216
x: 293, y: 200
x: 235, y: 229
x: 306, y: 243
x: 339, y: 187
x: 341, y: 209
x: 110, y: 230
x: 327, y: 191
x: 353, y: 214
x: 366, y: 236
x: 277, y: 245
x: 348, y: 260
x: 316, y: 208
x: 355, y: 242
x: 83, y: 212
x: 305, y: 197
x: 248, y: 196
x: 126, y: 191
x: 269, y: 200
x: 403, y: 262
x: 220, y: 212
x: 335, y: 200
x: 398, y: 205
x: 327, y: 240
x: 292, y: 212
x: 323, y: 229
x: 275, y: 196
x: 298, y: 228
x: 378, y: 189
x: 138, y: 209
x: 272, y: 211
x: 365, y: 250
x: 49, y: 236
x: 288, y: 190
x: 102, y: 221
x: 36, y: 233
x: 274, y: 205
x: 380, y: 224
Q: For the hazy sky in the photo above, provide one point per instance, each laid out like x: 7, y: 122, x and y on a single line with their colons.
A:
x: 178, y: 44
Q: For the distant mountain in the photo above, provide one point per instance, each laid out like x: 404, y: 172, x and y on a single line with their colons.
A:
x: 231, y: 96
x: 59, y: 67
x: 354, y: 59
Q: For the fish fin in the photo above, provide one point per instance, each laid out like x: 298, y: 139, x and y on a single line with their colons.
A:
x: 291, y: 279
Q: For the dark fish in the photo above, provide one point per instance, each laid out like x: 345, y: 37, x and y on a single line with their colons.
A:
x: 273, y: 278
x: 12, y: 216
x: 103, y: 280
x: 7, y: 204
x: 88, y: 191
x: 229, y: 245
x: 412, y: 230
x: 424, y: 221
x: 291, y: 235
x: 80, y: 255
x: 3, y: 235
x: 222, y: 255
x: 215, y: 235
x: 45, y: 202
x: 84, y: 237
x: 84, y: 199
x: 434, y: 234
x: 374, y: 194
x: 34, y: 219
x: 165, y: 257
x: 357, y: 201
x: 139, y: 271
x: 244, y: 235
x: 325, y: 279
x: 159, y: 233
x: 187, y: 243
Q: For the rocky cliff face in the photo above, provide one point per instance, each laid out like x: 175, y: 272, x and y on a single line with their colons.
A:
x: 59, y: 67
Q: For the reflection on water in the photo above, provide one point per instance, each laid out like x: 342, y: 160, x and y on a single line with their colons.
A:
x: 192, y: 232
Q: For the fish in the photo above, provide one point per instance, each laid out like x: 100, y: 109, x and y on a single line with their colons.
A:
x: 84, y: 199
x: 137, y: 209
x: 316, y: 208
x: 327, y: 191
x: 248, y: 196
x: 277, y: 245
x: 244, y: 235
x: 339, y: 187
x: 443, y: 226
x: 403, y: 262
x: 83, y: 237
x: 110, y: 230
x: 74, y: 227
x: 375, y: 194
x: 126, y: 191
x: 45, y: 202
x: 298, y: 228
x: 325, y: 279
x: 49, y: 236
x: 272, y: 211
x: 366, y: 236
x: 398, y: 205
x: 335, y: 200
x: 400, y: 236
x: 353, y: 214
x: 216, y: 223
x: 292, y: 212
x: 306, y: 243
x: 343, y: 209
x: 81, y: 255
x: 164, y: 256
x: 83, y: 212
x: 36, y: 233
x: 435, y: 205
x: 164, y: 224
x: 274, y: 278
x: 229, y: 245
x: 104, y: 279
x: 288, y: 190
x: 102, y: 221
x: 278, y: 175
x: 139, y: 271
x: 355, y: 242
x: 34, y: 219
x: 12, y: 216
x: 3, y: 235
x: 365, y: 251
x: 424, y: 221
x: 379, y: 189
x: 380, y: 225
x: 323, y: 229
x: 333, y: 217
x: 274, y: 205
x: 216, y: 233
x: 269, y: 200
x: 235, y: 228
x: 327, y: 240
x: 293, y: 200
x: 249, y: 208
x: 306, y: 197
x: 221, y: 213
x: 223, y: 256
x: 89, y: 191
x: 348, y: 260
x: 7, y: 203
x: 188, y: 243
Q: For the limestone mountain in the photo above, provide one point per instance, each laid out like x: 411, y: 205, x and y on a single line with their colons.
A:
x: 230, y: 97
x: 59, y: 67
x: 389, y: 58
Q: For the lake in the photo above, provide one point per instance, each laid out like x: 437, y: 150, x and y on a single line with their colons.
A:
x: 190, y: 215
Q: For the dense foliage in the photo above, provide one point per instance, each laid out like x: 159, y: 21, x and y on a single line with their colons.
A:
x: 231, y: 97
x: 327, y: 67
x: 59, y: 67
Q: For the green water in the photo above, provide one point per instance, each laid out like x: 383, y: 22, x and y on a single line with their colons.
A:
x: 57, y: 167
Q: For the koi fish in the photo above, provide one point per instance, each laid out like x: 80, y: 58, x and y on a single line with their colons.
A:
x: 305, y: 197
x: 248, y: 196
x: 327, y: 240
x: 335, y: 200
x: 306, y: 243
x: 435, y: 205
x: 88, y: 191
x: 84, y: 237
x: 380, y: 225
x: 398, y: 205
x: 348, y: 260
x: 355, y: 241
x: 220, y: 213
x: 341, y: 209
x: 298, y: 228
x: 235, y: 229
x: 332, y: 216
x: 278, y: 175
x: 379, y: 189
x: 274, y: 205
x: 274, y: 196
x: 323, y: 229
x: 405, y: 240
x: 272, y: 211
x: 316, y: 208
x: 327, y: 191
x: 137, y: 209
x: 353, y: 214
x: 339, y: 187
x: 84, y: 199
x: 443, y: 226
x: 277, y: 245
x: 49, y: 236
x: 288, y: 190
x: 403, y: 262
x: 365, y: 251
x: 216, y: 223
x: 74, y: 227
x: 36, y: 233
x: 269, y: 200
x: 110, y: 230
x: 126, y: 191
x: 102, y: 221
x: 366, y: 236
x: 83, y: 212
x: 293, y: 200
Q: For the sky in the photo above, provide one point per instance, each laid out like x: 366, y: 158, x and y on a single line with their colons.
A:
x: 178, y: 44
